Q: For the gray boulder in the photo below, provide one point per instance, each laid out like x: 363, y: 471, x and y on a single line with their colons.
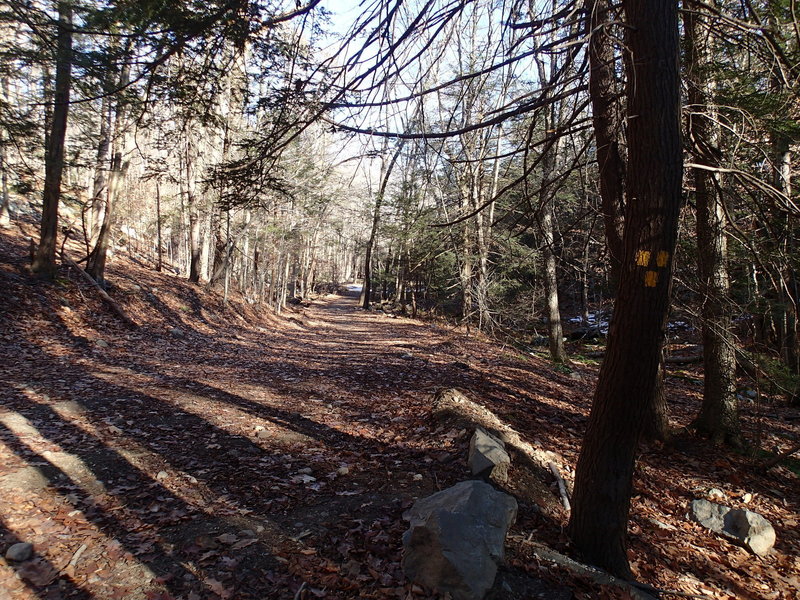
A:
x: 488, y: 456
x: 747, y: 528
x: 456, y: 538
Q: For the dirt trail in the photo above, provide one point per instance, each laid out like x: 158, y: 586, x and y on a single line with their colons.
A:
x: 207, y: 460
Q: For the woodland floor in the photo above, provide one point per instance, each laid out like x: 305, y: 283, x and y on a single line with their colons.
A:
x: 219, y: 451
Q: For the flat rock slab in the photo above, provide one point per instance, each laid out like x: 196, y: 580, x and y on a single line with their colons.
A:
x: 747, y: 528
x: 457, y: 537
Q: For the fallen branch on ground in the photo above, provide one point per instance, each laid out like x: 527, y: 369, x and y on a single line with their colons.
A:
x: 109, y: 300
x: 562, y: 488
x: 774, y: 461
x: 637, y: 591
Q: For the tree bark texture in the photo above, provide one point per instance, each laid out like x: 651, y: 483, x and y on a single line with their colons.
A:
x: 607, y: 124
x: 44, y: 260
x: 629, y: 374
x: 719, y: 415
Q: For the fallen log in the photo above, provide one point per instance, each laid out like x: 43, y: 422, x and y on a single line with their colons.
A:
x: 670, y: 360
x: 636, y: 590
x: 108, y: 299
x: 775, y: 460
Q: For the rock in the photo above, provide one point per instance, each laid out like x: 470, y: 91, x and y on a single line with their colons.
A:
x: 456, y: 538
x: 343, y: 470
x: 101, y: 343
x: 177, y: 332
x: 162, y: 475
x: 747, y: 528
x: 716, y: 493
x: 19, y: 552
x: 487, y: 456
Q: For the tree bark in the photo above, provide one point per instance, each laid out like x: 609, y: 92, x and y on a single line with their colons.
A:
x: 607, y: 124
x: 628, y: 378
x: 373, y: 234
x: 719, y: 415
x: 5, y: 200
x: 96, y: 262
x: 44, y: 260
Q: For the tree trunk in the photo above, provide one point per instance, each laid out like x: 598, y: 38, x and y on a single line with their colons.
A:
x: 719, y: 415
x: 628, y: 378
x: 100, y: 183
x: 194, y: 216
x: 376, y: 218
x: 96, y: 262
x: 159, y: 251
x: 44, y: 260
x: 555, y: 334
x: 5, y: 201
x: 607, y: 123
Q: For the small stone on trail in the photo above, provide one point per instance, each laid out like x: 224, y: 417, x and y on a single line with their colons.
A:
x: 259, y: 428
x: 101, y: 343
x: 177, y: 332
x: 417, y: 477
x: 747, y: 498
x: 305, y: 471
x: 19, y: 552
x: 162, y: 475
x: 343, y: 470
x: 716, y: 493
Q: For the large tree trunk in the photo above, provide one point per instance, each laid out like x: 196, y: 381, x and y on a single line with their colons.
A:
x: 719, y: 415
x: 44, y: 260
x: 628, y: 378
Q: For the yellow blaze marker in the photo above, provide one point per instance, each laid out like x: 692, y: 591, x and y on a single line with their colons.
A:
x: 650, y: 278
x: 662, y: 258
x: 643, y: 258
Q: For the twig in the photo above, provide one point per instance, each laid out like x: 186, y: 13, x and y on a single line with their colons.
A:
x: 77, y: 556
x: 562, y: 488
x: 300, y: 591
x: 109, y: 300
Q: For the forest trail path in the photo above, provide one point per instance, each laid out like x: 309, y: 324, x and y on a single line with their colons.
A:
x: 219, y: 451
x: 206, y: 456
